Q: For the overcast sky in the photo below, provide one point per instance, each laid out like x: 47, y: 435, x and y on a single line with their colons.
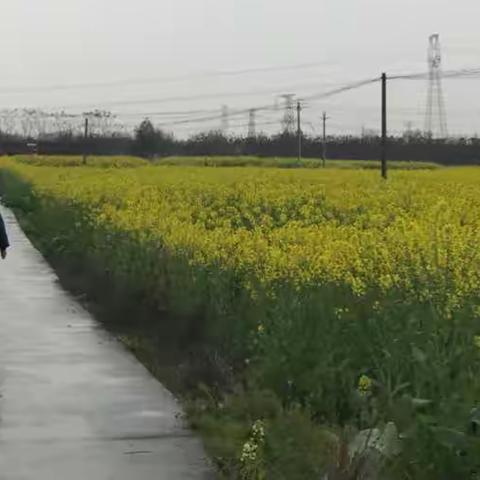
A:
x: 65, y: 42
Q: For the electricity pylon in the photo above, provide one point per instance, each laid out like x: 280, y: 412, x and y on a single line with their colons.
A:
x: 436, y: 116
x: 252, y: 124
x: 288, y: 121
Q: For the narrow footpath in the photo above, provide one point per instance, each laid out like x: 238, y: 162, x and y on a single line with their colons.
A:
x: 74, y: 404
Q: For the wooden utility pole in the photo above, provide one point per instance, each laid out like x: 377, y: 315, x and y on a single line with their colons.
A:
x: 85, y: 144
x: 299, y: 130
x: 324, y: 140
x: 384, y: 126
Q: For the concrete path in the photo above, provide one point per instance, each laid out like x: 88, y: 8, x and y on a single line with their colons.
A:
x: 75, y: 405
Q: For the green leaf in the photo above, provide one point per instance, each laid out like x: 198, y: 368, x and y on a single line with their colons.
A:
x: 418, y: 355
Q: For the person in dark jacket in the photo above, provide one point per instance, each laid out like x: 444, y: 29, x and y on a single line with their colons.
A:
x: 4, y: 244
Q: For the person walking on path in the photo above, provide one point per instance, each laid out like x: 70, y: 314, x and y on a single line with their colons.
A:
x: 4, y: 244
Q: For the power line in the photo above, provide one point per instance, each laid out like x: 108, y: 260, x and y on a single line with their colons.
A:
x: 184, y: 117
x: 257, y: 124
x: 344, y: 88
x: 204, y: 96
x: 459, y: 73
x: 146, y: 80
x: 179, y: 98
x: 175, y: 113
x: 466, y: 73
x: 318, y: 96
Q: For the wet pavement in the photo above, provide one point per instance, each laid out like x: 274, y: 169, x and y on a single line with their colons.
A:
x: 74, y: 404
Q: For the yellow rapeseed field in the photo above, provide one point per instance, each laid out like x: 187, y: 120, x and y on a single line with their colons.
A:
x: 417, y: 234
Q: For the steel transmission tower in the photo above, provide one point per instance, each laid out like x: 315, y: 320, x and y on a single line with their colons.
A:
x: 252, y: 123
x: 436, y: 116
x: 288, y: 121
x: 225, y: 119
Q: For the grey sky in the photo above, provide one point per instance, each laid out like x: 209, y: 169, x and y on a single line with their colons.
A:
x: 58, y: 42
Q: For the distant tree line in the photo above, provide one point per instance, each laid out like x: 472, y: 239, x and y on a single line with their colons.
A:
x: 149, y: 142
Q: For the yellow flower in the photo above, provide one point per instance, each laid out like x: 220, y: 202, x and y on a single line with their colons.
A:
x: 365, y: 384
x: 273, y: 229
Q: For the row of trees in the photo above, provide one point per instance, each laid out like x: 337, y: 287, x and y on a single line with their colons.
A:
x: 414, y: 145
x: 150, y: 142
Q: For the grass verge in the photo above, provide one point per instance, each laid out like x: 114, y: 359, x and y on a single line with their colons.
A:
x: 287, y: 162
